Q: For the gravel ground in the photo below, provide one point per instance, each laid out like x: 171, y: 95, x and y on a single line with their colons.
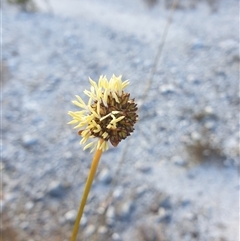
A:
x: 178, y: 175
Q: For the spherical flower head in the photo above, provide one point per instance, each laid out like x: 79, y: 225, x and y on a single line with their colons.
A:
x: 109, y: 114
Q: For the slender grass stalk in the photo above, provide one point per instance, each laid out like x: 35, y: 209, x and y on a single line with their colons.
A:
x: 88, y: 185
x: 143, y: 97
x: 109, y: 115
x: 160, y: 49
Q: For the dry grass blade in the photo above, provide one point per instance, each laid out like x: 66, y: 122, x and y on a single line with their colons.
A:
x: 159, y: 51
x: 144, y: 96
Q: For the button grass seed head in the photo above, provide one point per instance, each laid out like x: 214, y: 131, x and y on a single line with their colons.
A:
x: 109, y: 115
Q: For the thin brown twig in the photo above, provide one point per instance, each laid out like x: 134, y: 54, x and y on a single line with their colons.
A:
x: 144, y: 96
x: 159, y: 51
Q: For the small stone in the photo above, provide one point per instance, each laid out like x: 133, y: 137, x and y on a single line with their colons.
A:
x: 89, y: 231
x: 68, y: 155
x: 208, y: 110
x: 110, y: 222
x: 209, y: 125
x: 38, y: 196
x: 29, y: 205
x: 164, y: 215
x: 191, y: 175
x: 29, y: 140
x: 147, y: 63
x: 116, y: 237
x: 178, y: 161
x: 2, y: 166
x: 24, y: 225
x: 10, y: 197
x: 2, y: 206
x: 141, y: 190
x: 70, y: 216
x: 136, y: 62
x: 118, y: 193
x: 195, y: 136
x: 166, y: 203
x: 105, y: 176
x: 100, y: 210
x: 192, y: 79
x: 102, y: 230
x: 185, y: 203
x: 189, y: 216
x: 142, y: 167
x: 154, y: 207
x: 125, y: 209
x: 167, y: 89
x: 232, y: 144
x: 56, y: 189
x: 198, y: 44
x: 83, y: 221
x: 110, y: 212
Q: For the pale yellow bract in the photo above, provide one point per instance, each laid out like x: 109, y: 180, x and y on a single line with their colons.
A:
x: 86, y: 119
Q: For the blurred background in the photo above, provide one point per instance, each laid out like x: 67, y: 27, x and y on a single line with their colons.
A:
x: 176, y: 177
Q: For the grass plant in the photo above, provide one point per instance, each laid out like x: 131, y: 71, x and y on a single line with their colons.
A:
x: 109, y: 115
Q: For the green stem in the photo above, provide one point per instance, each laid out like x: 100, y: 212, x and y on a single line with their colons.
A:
x: 88, y: 185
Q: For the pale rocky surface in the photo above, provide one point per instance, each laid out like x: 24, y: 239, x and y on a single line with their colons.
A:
x: 179, y: 175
